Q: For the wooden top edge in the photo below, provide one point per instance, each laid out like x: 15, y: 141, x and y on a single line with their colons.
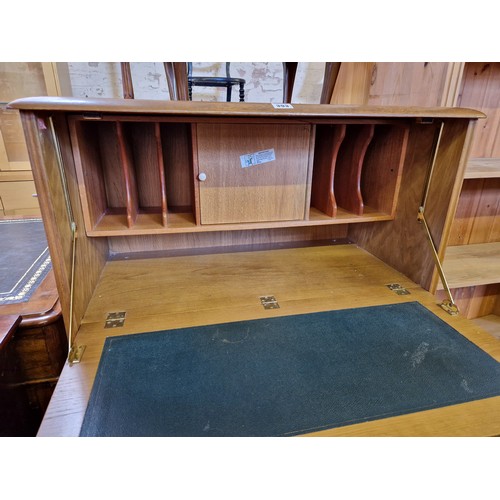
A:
x: 201, y: 108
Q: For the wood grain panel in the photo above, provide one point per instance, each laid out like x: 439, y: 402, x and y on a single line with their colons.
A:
x: 464, y: 216
x: 481, y: 90
x: 52, y: 205
x: 89, y: 172
x: 473, y: 264
x: 402, y: 243
x: 176, y: 142
x: 91, y: 253
x: 18, y: 195
x: 383, y: 167
x: 477, y: 218
x: 227, y: 239
x: 485, y: 222
x: 353, y: 83
x: 408, y: 83
x: 14, y: 145
x: 226, y: 205
x: 482, y: 168
x: 19, y: 79
x: 144, y: 148
x: 490, y: 323
x: 275, y: 190
x: 240, y: 109
x: 112, y: 166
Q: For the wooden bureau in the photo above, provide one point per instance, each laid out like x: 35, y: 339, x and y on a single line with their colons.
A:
x: 138, y: 196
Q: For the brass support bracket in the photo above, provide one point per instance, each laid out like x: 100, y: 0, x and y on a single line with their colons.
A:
x: 75, y: 352
x: 448, y: 305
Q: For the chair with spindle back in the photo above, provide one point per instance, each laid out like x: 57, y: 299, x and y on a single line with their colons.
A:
x: 215, y: 81
x: 180, y: 81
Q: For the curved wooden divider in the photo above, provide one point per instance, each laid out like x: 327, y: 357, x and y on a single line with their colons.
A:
x: 161, y: 168
x: 129, y: 176
x: 328, y: 141
x: 350, y: 159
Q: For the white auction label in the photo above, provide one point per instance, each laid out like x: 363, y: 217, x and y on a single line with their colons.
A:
x: 251, y: 159
x: 282, y: 105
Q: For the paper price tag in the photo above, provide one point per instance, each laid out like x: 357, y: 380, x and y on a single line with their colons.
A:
x: 282, y: 105
x: 252, y: 159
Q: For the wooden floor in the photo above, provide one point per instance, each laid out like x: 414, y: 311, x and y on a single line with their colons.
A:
x: 182, y: 291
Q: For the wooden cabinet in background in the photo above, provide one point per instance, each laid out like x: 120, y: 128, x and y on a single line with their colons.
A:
x: 473, y: 256
x: 22, y: 79
x: 472, y: 261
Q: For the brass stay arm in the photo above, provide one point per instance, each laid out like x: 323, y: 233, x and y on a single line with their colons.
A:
x: 448, y: 305
x: 75, y: 352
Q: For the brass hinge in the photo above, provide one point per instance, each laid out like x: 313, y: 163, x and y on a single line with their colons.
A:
x: 269, y: 302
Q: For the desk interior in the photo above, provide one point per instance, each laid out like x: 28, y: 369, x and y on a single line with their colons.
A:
x: 183, y: 291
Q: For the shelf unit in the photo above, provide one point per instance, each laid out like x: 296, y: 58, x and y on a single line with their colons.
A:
x: 140, y: 176
x: 472, y: 260
x: 472, y: 265
x: 475, y: 85
x: 483, y: 168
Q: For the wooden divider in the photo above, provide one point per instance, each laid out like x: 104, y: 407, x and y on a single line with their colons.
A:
x: 161, y: 168
x: 328, y: 141
x: 129, y: 176
x: 347, y: 181
x: 383, y: 167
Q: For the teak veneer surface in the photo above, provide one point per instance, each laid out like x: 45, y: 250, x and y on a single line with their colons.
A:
x: 200, y: 108
x: 184, y: 291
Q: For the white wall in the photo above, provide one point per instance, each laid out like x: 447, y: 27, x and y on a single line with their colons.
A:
x: 264, y: 80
